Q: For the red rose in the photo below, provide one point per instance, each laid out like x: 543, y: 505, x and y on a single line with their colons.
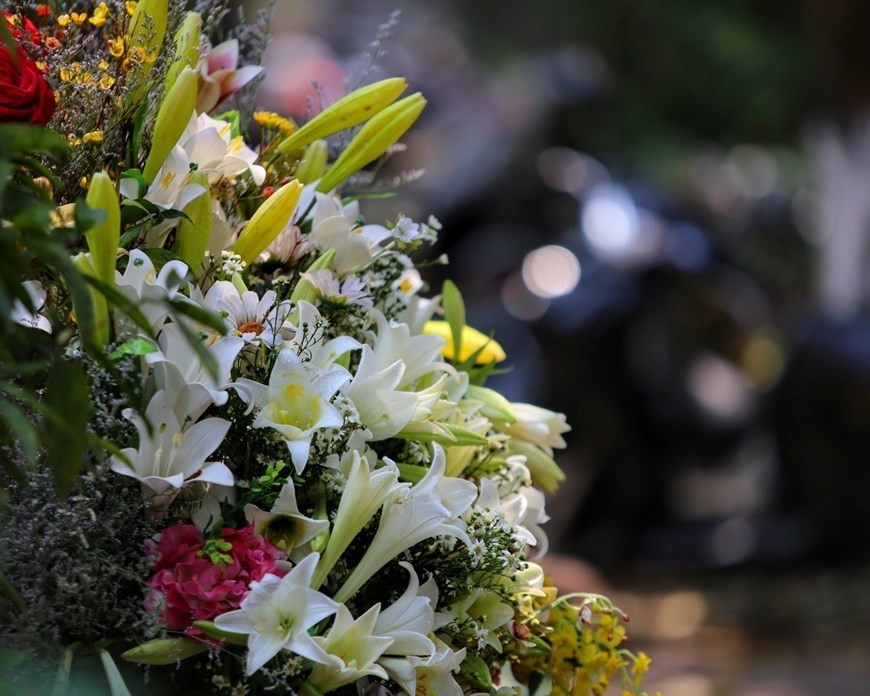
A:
x: 25, y: 96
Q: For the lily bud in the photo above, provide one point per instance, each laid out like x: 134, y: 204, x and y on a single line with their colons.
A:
x: 186, y: 47
x: 165, y: 651
x: 495, y: 406
x: 546, y: 474
x: 191, y: 236
x: 98, y: 306
x: 313, y: 162
x: 304, y: 290
x: 145, y: 35
x: 373, y: 139
x: 349, y: 111
x: 472, y: 340
x: 268, y: 222
x: 172, y: 118
x: 103, y: 240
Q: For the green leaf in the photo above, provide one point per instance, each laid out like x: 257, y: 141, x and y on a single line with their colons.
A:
x: 61, y: 679
x: 66, y: 442
x: 454, y: 313
x: 21, y: 428
x: 200, y: 315
x: 85, y: 217
x: 117, y: 687
x: 476, y: 672
x: 231, y: 117
x: 139, y: 178
x: 135, y: 346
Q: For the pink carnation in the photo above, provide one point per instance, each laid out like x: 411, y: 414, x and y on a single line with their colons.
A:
x: 193, y: 587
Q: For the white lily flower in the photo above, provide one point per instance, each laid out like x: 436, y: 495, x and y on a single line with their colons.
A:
x: 524, y: 510
x: 148, y: 290
x: 296, y: 402
x: 284, y: 526
x: 433, y: 675
x: 356, y: 647
x: 21, y: 315
x: 170, y: 454
x: 363, y: 495
x: 409, y: 620
x: 410, y: 516
x: 537, y: 426
x: 208, y: 143
x: 171, y: 188
x: 177, y: 363
x: 256, y: 320
x: 354, y: 246
x: 308, y: 339
x: 277, y: 614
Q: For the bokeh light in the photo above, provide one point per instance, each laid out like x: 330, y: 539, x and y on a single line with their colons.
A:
x: 551, y: 271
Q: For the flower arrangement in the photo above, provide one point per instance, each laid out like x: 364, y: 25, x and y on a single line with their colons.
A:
x: 243, y: 450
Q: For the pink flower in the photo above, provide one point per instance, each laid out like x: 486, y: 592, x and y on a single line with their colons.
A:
x: 221, y: 78
x: 193, y: 587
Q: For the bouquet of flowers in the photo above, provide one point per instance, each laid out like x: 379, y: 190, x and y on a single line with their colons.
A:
x: 242, y: 451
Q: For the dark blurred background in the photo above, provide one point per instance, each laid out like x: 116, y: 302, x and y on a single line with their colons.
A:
x: 662, y: 210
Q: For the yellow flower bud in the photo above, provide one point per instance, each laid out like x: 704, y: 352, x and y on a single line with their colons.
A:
x: 186, y: 47
x: 103, y: 239
x: 349, y: 111
x: 268, y: 222
x: 472, y: 340
x: 191, y: 237
x: 373, y: 139
x: 172, y: 118
x: 313, y: 162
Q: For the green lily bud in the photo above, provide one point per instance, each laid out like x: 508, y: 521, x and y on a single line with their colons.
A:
x: 191, y: 236
x: 349, y: 111
x: 99, y: 307
x: 268, y: 222
x: 313, y: 162
x: 103, y: 240
x: 320, y: 542
x: 212, y: 631
x: 546, y: 474
x: 239, y: 284
x: 373, y: 139
x: 456, y: 435
x: 495, y: 406
x: 172, y: 118
x: 164, y: 651
x: 304, y: 290
x: 476, y: 672
x: 186, y: 48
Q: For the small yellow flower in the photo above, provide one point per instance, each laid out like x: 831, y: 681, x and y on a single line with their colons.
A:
x: 65, y: 74
x: 101, y: 13
x: 79, y: 17
x: 641, y: 665
x: 103, y: 64
x: 42, y: 65
x: 269, y: 119
x: 63, y: 20
x: 73, y: 140
x: 130, y: 7
x: 106, y: 81
x: 83, y: 182
x: 12, y: 20
x: 93, y: 137
x: 116, y: 47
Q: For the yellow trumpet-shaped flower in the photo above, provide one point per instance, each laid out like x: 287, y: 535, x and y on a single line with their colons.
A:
x: 349, y: 111
x: 472, y: 340
x: 172, y: 119
x: 373, y: 139
x: 268, y: 221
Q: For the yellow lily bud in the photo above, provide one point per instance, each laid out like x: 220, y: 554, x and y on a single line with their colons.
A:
x: 103, y: 239
x: 349, y: 111
x: 191, y: 237
x: 472, y: 339
x: 495, y: 406
x: 268, y: 222
x: 304, y: 290
x: 313, y: 162
x: 186, y: 47
x: 373, y: 139
x: 172, y: 118
x: 164, y: 651
x: 99, y: 307
x: 145, y: 35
